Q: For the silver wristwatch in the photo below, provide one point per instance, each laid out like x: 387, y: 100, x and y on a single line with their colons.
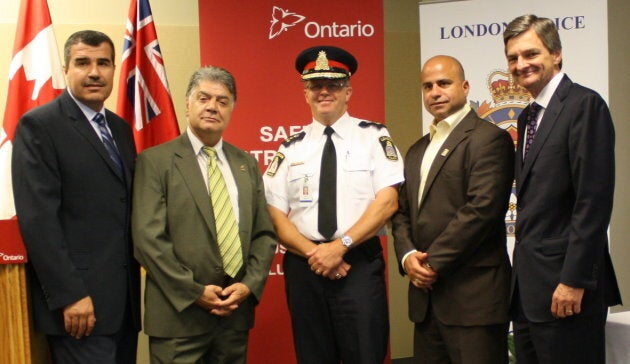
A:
x: 347, y: 241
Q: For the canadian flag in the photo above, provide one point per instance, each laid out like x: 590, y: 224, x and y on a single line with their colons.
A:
x: 35, y: 78
x: 144, y: 99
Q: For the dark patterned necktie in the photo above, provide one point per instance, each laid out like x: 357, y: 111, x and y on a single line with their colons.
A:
x: 108, y: 141
x: 327, y: 208
x: 534, y: 109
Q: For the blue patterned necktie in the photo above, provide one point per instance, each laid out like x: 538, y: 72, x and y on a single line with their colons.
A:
x: 108, y: 141
x: 531, y: 125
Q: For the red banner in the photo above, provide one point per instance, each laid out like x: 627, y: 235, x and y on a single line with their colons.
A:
x: 257, y: 41
x: 35, y: 78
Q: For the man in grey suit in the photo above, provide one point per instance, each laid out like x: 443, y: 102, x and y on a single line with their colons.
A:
x: 563, y: 277
x: 202, y: 232
x: 72, y: 167
x: 449, y: 231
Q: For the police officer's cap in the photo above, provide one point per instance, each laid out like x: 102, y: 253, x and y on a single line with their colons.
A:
x: 325, y: 62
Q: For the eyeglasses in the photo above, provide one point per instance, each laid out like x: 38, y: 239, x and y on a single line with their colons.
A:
x: 331, y: 86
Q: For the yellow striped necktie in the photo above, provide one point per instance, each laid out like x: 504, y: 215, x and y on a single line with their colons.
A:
x: 227, y: 228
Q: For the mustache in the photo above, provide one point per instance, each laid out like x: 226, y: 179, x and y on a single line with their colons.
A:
x: 93, y: 83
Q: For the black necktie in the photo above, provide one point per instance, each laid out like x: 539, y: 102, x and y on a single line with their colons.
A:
x: 327, y: 213
x: 108, y: 141
x: 532, y: 119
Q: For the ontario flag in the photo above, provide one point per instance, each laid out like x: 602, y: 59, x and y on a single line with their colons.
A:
x: 35, y: 78
x: 144, y: 99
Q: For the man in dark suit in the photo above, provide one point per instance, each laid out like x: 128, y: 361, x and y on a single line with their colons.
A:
x: 449, y: 231
x: 207, y: 257
x: 72, y: 169
x: 563, y: 276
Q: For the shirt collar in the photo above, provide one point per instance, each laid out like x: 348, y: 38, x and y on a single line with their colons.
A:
x: 87, y: 111
x: 341, y: 126
x: 449, y: 122
x: 547, y: 92
x: 198, y: 145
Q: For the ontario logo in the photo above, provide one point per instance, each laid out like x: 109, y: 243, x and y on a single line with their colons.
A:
x: 508, y: 100
x: 284, y: 19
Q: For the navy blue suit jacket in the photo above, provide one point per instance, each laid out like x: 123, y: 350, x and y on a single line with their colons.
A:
x: 73, y: 207
x: 565, y: 195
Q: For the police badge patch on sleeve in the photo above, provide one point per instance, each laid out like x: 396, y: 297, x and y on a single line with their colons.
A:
x: 275, y: 163
x: 388, y: 147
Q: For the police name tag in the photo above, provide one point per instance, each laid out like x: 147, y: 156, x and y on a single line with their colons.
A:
x: 306, y: 194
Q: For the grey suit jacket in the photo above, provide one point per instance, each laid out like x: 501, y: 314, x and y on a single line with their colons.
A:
x: 460, y: 224
x: 565, y: 193
x: 74, y: 212
x: 175, y: 233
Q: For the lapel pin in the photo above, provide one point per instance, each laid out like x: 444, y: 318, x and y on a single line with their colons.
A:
x: 445, y: 152
x: 242, y: 167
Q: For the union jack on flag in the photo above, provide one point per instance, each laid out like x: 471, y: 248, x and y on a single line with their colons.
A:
x: 144, y: 99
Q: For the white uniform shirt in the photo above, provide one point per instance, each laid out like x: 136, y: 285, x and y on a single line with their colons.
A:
x: 367, y: 161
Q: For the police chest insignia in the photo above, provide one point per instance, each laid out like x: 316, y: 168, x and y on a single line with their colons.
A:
x: 275, y: 163
x: 293, y: 138
x: 367, y: 124
x: 388, y: 147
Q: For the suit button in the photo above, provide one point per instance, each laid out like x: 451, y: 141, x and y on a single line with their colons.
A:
x: 516, y: 242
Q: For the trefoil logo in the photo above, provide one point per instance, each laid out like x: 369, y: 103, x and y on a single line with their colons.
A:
x: 281, y: 20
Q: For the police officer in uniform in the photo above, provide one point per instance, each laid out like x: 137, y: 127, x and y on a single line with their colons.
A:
x: 330, y: 189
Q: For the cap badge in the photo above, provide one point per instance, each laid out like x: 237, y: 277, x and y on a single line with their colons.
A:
x: 322, y: 61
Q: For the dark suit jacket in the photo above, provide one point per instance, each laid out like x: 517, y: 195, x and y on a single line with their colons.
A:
x: 565, y: 194
x: 74, y: 214
x: 175, y: 238
x: 460, y: 224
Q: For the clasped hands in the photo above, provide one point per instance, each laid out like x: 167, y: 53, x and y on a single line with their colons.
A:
x: 223, y: 301
x: 419, y: 271
x: 326, y: 259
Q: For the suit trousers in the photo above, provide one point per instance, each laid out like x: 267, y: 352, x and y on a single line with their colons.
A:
x: 120, y: 347
x: 579, y: 339
x: 436, y: 343
x: 344, y: 320
x: 223, y: 345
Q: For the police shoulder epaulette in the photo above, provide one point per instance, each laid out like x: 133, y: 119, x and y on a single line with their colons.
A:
x: 294, y: 138
x: 367, y: 124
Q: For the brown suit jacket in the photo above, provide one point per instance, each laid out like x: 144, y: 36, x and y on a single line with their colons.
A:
x: 460, y: 224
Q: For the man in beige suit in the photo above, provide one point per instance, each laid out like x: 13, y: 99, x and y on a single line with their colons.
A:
x: 206, y: 261
x: 449, y: 231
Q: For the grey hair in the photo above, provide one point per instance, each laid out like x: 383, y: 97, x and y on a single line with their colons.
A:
x: 213, y: 74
